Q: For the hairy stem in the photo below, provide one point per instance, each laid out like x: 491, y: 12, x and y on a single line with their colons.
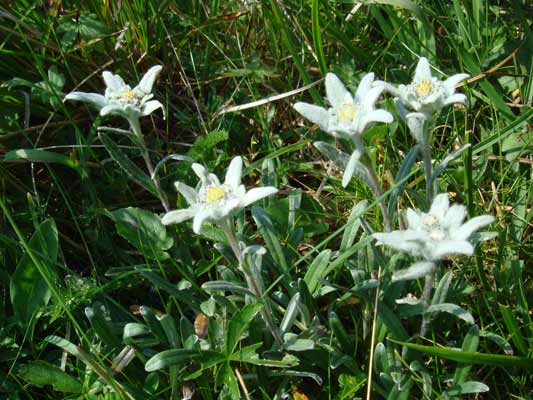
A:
x: 426, y: 296
x: 136, y: 128
x: 375, y: 185
x: 266, y: 311
x: 426, y: 154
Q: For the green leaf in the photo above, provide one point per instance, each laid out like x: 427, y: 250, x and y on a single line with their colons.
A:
x: 41, y: 373
x: 102, y: 325
x: 227, y: 377
x: 271, y: 238
x: 497, y: 360
x: 470, y: 344
x: 352, y: 225
x: 169, y: 358
x: 28, y: 289
x: 466, y: 388
x: 317, y: 37
x: 144, y: 230
x: 453, y: 309
x: 238, y: 324
x: 248, y: 354
x: 227, y: 287
x: 132, y: 170
x: 317, y: 270
x: 43, y: 156
x: 401, y: 177
x: 183, y: 295
x: 206, y: 143
x: 513, y: 326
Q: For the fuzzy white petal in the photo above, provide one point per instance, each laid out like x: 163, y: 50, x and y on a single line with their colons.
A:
x: 234, y: 173
x: 456, y: 98
x: 188, y: 192
x: 440, y: 206
x: 471, y: 226
x: 201, y: 172
x: 93, y: 98
x: 453, y: 80
x: 113, y: 82
x: 364, y: 86
x: 315, y: 114
x: 336, y: 92
x: 413, y: 218
x: 177, y: 216
x: 150, y: 106
x: 445, y: 248
x: 147, y: 81
x: 379, y: 116
x: 111, y: 109
x: 454, y: 216
x: 387, y: 87
x: 409, y: 241
x: 256, y: 194
x: 423, y: 70
x: 199, y: 218
x: 350, y: 168
x: 371, y: 97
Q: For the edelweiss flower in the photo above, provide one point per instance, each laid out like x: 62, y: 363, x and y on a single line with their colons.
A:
x: 121, y: 99
x: 213, y: 201
x: 436, y: 234
x: 348, y: 115
x: 427, y: 94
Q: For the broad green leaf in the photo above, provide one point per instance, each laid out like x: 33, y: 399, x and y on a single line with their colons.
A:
x: 43, y: 156
x: 90, y: 362
x: 271, y: 238
x: 466, y: 388
x: 206, y: 143
x: 317, y: 270
x: 352, y: 225
x: 238, y: 324
x: 28, y: 290
x: 470, y: 344
x: 226, y: 376
x: 102, y: 325
x: 497, y: 360
x: 513, y: 326
x: 290, y: 313
x: 170, y: 358
x: 346, y: 342
x: 453, y: 309
x: 442, y: 289
x: 41, y: 373
x: 317, y: 37
x: 248, y: 354
x: 183, y: 295
x: 401, y: 177
x: 227, y: 287
x: 133, y: 171
x: 144, y: 230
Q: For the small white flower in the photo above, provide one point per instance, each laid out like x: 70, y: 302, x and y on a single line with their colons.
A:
x: 436, y: 234
x: 121, y: 99
x: 426, y: 94
x: 213, y: 201
x: 347, y: 116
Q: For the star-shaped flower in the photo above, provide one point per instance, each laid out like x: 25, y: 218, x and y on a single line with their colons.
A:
x: 121, y: 99
x: 436, y: 234
x: 214, y: 202
x: 426, y: 94
x: 348, y: 115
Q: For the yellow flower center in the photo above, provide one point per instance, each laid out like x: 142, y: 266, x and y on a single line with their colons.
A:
x: 346, y: 112
x: 215, y: 193
x: 129, y: 95
x: 423, y: 88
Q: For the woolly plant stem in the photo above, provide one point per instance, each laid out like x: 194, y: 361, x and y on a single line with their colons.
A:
x: 136, y: 128
x: 266, y: 311
x: 374, y: 181
x: 426, y: 296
